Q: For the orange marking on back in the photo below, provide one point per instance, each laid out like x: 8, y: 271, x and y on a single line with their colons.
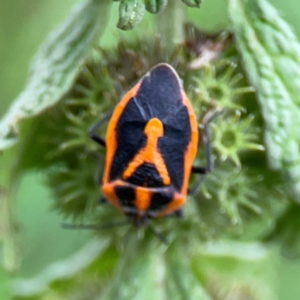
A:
x: 142, y: 199
x: 192, y: 148
x: 150, y: 153
x: 108, y: 191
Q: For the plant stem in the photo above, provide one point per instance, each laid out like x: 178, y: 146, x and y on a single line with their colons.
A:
x: 170, y: 24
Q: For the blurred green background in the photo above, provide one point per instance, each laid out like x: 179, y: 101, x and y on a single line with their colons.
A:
x: 23, y: 26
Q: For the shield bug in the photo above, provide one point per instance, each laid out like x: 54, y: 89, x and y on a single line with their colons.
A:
x: 151, y: 142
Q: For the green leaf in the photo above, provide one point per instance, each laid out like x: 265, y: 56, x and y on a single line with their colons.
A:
x: 67, y: 276
x: 232, y: 270
x: 56, y: 65
x: 271, y: 56
x: 286, y: 232
x: 155, y: 6
x: 131, y: 13
x: 138, y: 271
x: 5, y: 283
x: 10, y: 257
x: 181, y: 283
x: 192, y: 3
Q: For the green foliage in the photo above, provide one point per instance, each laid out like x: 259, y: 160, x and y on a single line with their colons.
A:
x: 155, y: 6
x: 69, y: 160
x: 138, y: 274
x: 271, y: 54
x: 240, y: 200
x: 56, y: 65
x: 192, y: 3
x: 70, y: 157
x: 76, y: 276
x: 286, y: 231
x: 130, y: 13
x: 4, y: 289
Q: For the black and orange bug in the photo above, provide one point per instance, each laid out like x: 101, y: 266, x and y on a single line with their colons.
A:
x: 151, y: 143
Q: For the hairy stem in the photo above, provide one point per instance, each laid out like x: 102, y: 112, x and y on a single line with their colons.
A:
x: 170, y: 23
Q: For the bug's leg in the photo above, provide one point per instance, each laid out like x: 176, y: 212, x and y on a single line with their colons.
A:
x: 159, y: 235
x: 195, y: 188
x: 208, y: 155
x: 92, y: 130
x: 207, y: 150
x: 95, y: 226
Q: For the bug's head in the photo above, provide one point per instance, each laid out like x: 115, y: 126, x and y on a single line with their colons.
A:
x: 138, y: 220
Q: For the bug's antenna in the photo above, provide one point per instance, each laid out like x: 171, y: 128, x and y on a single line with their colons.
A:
x: 158, y: 235
x: 95, y: 226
